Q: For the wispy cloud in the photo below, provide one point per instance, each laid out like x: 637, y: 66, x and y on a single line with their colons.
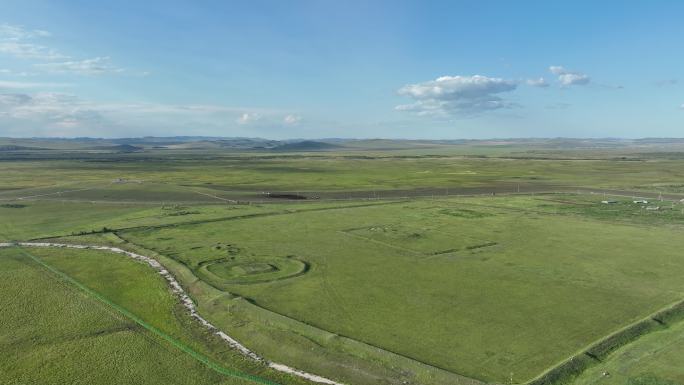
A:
x: 248, y: 117
x: 13, y: 32
x: 12, y: 85
x: 457, y: 95
x: 558, y: 106
x: 26, y: 113
x: 94, y: 66
x: 29, y: 51
x: 43, y: 106
x: 292, y: 119
x: 48, y: 113
x: 539, y: 82
x: 6, y: 71
x: 19, y: 42
x: 568, y: 78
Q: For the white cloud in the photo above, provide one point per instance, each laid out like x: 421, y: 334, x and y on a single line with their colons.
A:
x: 18, y: 42
x: 6, y: 71
x: 25, y: 113
x: 568, y: 78
x: 682, y: 106
x: 94, y: 66
x: 457, y: 95
x: 573, y: 79
x: 248, y: 117
x: 50, y: 114
x: 557, y: 70
x: 13, y: 32
x: 292, y: 119
x: 5, y: 84
x: 29, y: 51
x: 46, y: 107
x: 539, y: 82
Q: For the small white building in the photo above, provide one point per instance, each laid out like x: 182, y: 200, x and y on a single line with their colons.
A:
x: 641, y: 201
x: 653, y: 208
x: 609, y: 202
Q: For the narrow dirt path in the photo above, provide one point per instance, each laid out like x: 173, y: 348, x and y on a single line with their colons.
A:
x: 46, y: 194
x: 217, y: 197
x: 185, y: 299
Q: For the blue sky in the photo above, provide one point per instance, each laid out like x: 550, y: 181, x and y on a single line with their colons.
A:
x: 315, y: 69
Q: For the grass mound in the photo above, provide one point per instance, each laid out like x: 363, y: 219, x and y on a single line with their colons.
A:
x: 464, y: 213
x: 246, y: 270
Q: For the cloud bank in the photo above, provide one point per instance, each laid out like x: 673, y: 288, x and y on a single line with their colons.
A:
x: 61, y: 114
x: 457, y: 95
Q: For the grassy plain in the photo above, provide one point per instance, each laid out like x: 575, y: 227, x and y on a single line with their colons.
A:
x: 24, y: 220
x: 654, y: 359
x: 53, y: 333
x: 160, y: 175
x: 414, y: 291
x: 483, y: 287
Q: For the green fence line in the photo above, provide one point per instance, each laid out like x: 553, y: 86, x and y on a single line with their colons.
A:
x: 196, y: 355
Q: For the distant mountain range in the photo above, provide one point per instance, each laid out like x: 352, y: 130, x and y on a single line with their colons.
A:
x: 189, y: 143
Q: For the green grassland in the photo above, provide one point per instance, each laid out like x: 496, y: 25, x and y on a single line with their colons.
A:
x: 472, y: 286
x: 655, y: 359
x: 53, y: 333
x: 172, y: 175
x: 41, y: 219
x: 433, y: 290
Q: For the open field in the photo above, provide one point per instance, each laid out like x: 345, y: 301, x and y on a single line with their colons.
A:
x: 40, y: 219
x: 343, y: 192
x: 653, y: 359
x: 502, y: 289
x: 53, y: 333
x: 177, y: 179
x: 383, y: 275
x: 181, y: 175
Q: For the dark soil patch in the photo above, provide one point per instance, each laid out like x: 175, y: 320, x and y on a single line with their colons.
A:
x: 12, y: 206
x: 286, y: 196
